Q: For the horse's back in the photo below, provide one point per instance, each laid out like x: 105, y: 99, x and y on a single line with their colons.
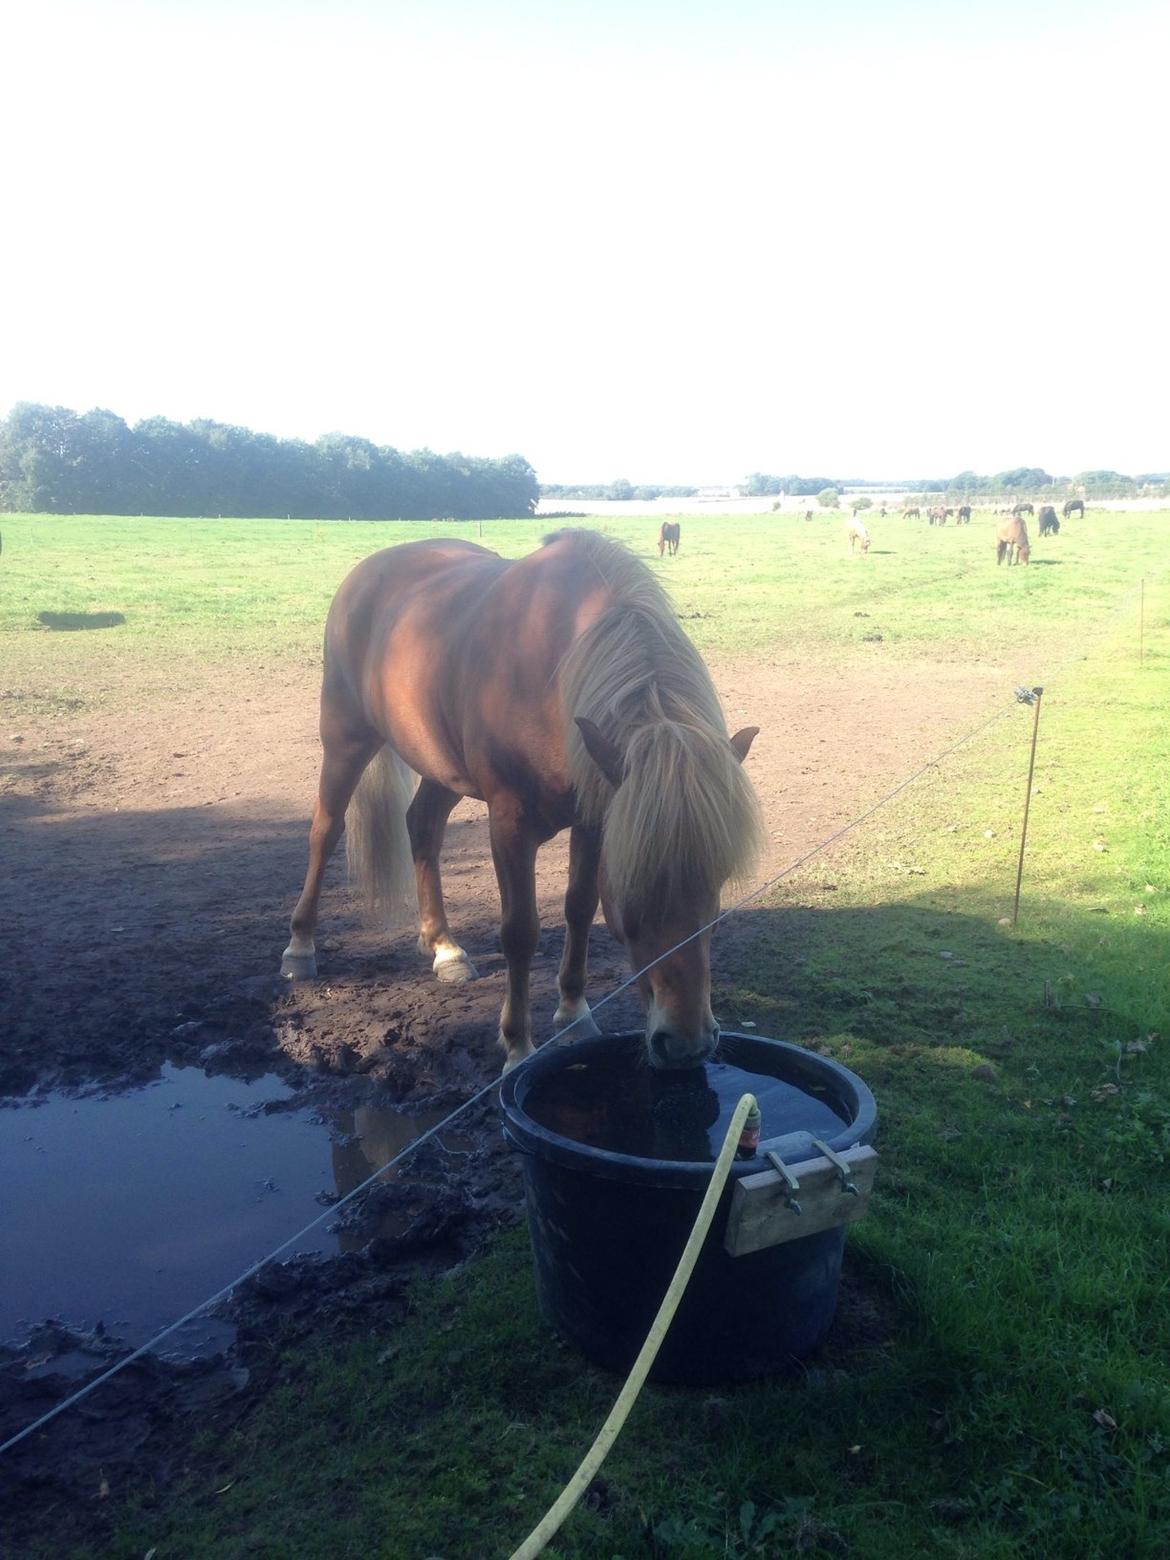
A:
x: 452, y: 654
x: 423, y: 578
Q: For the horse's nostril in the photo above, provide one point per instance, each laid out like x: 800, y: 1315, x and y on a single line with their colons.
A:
x: 660, y: 1043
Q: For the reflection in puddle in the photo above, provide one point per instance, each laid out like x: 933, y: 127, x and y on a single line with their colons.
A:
x: 132, y: 1208
x: 370, y: 1137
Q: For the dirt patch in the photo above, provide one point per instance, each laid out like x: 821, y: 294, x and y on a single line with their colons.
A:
x: 153, y: 860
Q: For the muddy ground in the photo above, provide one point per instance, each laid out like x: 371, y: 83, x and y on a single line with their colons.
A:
x: 152, y: 856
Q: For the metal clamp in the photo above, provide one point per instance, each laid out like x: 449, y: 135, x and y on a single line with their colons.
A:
x: 792, y: 1185
x: 841, y: 1166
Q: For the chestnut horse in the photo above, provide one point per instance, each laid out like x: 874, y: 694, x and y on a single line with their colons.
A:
x: 561, y: 690
x: 1011, y: 541
x: 668, y: 536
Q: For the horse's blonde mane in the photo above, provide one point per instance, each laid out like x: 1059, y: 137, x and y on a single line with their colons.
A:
x: 685, y: 819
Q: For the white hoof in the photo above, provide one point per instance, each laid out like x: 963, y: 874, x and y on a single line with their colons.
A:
x: 514, y: 1057
x: 298, y: 963
x: 575, y: 1020
x: 453, y: 967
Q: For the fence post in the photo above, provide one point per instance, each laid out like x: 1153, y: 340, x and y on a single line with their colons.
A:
x: 1027, y: 696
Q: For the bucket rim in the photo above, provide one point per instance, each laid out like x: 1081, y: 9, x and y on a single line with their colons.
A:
x: 526, y: 1134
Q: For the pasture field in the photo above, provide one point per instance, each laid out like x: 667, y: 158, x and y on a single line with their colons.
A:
x: 211, y: 591
x: 997, y: 1383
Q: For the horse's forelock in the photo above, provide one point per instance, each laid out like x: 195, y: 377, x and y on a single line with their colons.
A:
x: 684, y: 821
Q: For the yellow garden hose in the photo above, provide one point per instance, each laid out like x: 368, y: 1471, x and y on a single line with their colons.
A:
x: 640, y: 1369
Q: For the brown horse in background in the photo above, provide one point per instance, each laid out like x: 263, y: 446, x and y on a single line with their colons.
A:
x: 668, y: 536
x: 561, y: 690
x: 1049, y: 524
x: 1011, y: 541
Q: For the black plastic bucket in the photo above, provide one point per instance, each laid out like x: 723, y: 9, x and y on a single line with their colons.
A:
x: 607, y: 1226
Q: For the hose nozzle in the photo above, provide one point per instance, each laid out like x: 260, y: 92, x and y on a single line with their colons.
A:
x: 749, y: 1138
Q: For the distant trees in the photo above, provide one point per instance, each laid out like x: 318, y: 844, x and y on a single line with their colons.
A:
x: 858, y: 504
x: 1100, y: 484
x: 53, y: 461
x: 1029, y: 478
x: 1034, y: 479
x: 828, y: 498
x: 620, y: 490
x: 760, y: 485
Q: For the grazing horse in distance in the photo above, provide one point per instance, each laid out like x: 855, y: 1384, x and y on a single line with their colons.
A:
x: 1011, y: 541
x: 937, y: 515
x: 1049, y: 524
x: 668, y: 536
x: 857, y: 533
x: 913, y: 513
x: 964, y: 515
x: 1022, y: 509
x: 1074, y: 506
x: 561, y: 690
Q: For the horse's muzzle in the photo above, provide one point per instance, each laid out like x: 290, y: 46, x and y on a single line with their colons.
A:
x: 668, y: 1050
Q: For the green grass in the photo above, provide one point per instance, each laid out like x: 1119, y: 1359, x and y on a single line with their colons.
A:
x: 202, y: 593
x: 1009, y: 1396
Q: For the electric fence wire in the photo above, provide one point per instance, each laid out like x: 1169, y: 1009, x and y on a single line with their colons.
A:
x: 610, y: 996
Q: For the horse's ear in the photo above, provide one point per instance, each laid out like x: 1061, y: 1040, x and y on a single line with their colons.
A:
x: 743, y: 740
x: 605, y: 754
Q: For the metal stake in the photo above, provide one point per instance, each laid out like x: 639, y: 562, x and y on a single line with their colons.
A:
x: 1027, y: 696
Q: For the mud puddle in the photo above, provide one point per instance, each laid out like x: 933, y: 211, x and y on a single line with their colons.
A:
x: 127, y: 1210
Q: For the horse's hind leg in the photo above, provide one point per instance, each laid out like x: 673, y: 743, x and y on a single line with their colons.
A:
x: 580, y: 907
x: 426, y: 820
x: 349, y: 746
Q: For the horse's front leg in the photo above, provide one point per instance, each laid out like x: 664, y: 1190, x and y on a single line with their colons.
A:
x: 514, y: 846
x: 580, y: 907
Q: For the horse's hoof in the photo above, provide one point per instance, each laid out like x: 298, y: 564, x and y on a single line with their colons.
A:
x: 454, y: 969
x: 298, y: 966
x: 514, y: 1057
x: 575, y: 1022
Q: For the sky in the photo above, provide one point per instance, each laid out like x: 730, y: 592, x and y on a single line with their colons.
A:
x: 673, y: 242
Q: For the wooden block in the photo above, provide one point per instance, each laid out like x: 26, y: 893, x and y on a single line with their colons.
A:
x: 759, y: 1216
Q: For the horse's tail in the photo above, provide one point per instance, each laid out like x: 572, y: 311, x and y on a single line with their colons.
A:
x: 377, y: 846
x: 1000, y: 549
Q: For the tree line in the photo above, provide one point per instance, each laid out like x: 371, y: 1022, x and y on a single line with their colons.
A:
x: 760, y: 485
x: 970, y: 484
x: 1033, y: 479
x: 56, y: 461
x: 620, y: 490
